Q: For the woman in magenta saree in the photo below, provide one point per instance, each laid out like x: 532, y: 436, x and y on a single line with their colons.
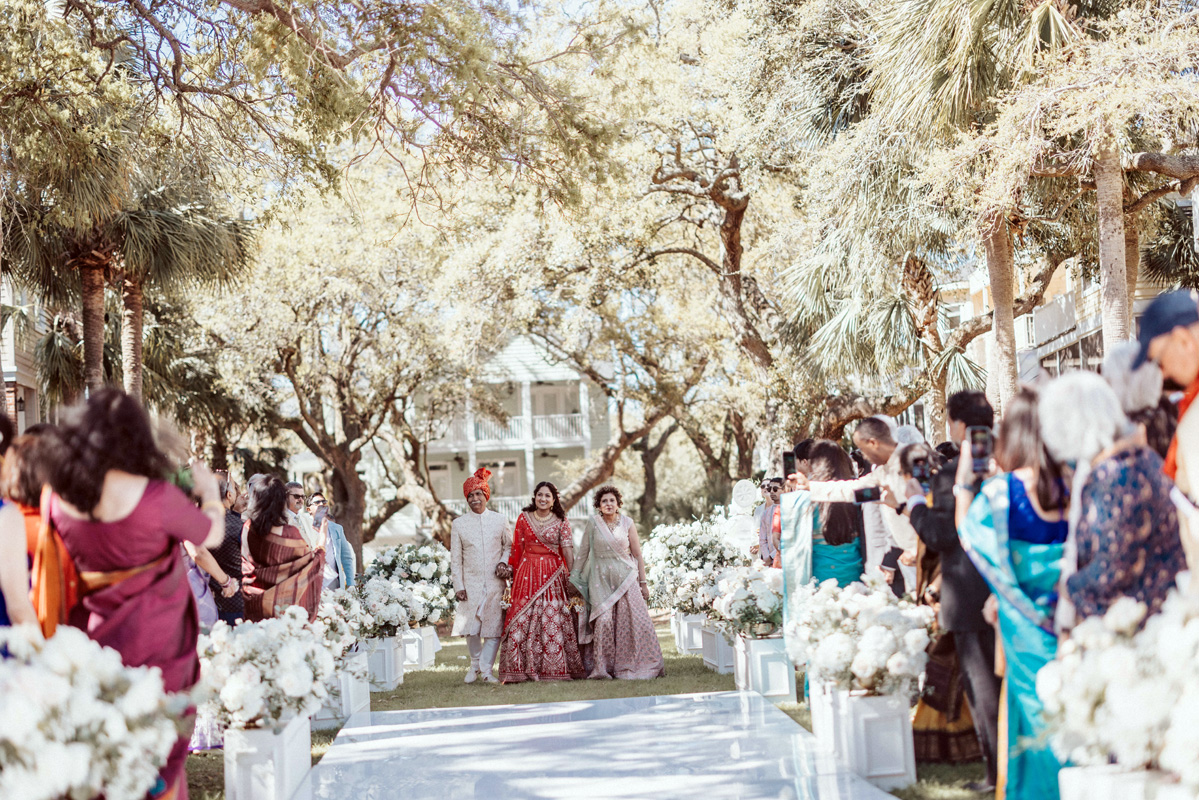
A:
x: 539, y: 642
x: 122, y: 526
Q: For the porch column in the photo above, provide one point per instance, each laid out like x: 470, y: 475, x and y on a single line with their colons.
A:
x: 471, y: 447
x: 526, y: 407
x: 585, y: 410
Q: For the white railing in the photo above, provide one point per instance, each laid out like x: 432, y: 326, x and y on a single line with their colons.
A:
x: 559, y: 428
x: 548, y: 429
x: 489, y: 431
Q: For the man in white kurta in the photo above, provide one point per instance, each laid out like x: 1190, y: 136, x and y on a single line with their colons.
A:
x: 480, y: 543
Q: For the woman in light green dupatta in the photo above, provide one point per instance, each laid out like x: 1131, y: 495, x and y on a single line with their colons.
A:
x: 609, y: 573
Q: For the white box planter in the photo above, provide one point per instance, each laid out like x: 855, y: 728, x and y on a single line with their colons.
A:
x: 420, y: 648
x: 385, y: 662
x: 691, y: 638
x: 262, y: 764
x: 878, y: 740
x: 762, y: 666
x: 827, y: 704
x: 351, y: 695
x: 674, y: 629
x: 1113, y: 782
x: 718, y: 653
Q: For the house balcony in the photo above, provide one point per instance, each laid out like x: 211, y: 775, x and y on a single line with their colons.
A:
x: 510, y: 507
x: 551, y: 430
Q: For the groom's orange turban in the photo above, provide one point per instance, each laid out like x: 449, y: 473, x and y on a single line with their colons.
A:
x: 478, y: 481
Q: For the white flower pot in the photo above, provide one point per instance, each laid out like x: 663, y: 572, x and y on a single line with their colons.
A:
x: 827, y: 705
x: 420, y: 648
x: 718, y: 653
x: 350, y: 695
x: 763, y: 666
x: 691, y: 639
x: 262, y: 764
x: 877, y: 738
x: 1113, y: 782
x: 385, y: 662
x: 674, y: 629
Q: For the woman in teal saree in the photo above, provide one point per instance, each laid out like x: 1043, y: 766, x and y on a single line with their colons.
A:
x: 1014, y: 532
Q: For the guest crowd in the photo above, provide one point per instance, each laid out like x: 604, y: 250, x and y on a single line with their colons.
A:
x: 1015, y: 530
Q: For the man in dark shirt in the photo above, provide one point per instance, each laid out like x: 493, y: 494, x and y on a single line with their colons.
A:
x: 228, y: 552
x: 963, y: 591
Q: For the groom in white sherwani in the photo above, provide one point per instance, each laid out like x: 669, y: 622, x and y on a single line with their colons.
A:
x: 479, y: 546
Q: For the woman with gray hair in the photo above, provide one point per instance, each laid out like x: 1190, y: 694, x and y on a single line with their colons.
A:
x: 1140, y: 394
x: 1124, y: 539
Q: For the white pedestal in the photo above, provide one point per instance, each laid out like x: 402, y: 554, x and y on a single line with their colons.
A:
x: 1113, y: 782
x: 827, y: 705
x: 674, y: 629
x: 878, y: 740
x: 261, y: 764
x: 762, y: 666
x: 385, y: 662
x: 420, y: 648
x: 717, y: 652
x: 349, y: 696
x: 691, y: 638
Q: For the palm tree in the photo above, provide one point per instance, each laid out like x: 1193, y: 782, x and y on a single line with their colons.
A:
x: 939, y: 68
x: 162, y: 229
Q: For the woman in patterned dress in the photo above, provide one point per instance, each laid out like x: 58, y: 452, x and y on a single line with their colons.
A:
x: 539, y: 642
x: 610, y: 574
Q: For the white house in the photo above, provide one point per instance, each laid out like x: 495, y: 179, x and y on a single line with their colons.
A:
x: 555, y: 416
x: 22, y: 399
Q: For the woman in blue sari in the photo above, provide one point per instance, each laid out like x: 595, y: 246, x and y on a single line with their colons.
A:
x: 1014, y: 531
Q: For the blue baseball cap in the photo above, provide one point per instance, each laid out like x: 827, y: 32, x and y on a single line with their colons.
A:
x: 1167, y: 312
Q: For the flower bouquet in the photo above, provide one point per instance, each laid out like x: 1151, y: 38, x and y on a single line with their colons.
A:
x: 77, y: 722
x: 261, y: 674
x: 860, y: 638
x: 428, y: 604
x: 675, y: 554
x: 1123, y: 692
x: 412, y: 564
x: 750, y: 601
x: 342, y: 620
x: 386, y: 605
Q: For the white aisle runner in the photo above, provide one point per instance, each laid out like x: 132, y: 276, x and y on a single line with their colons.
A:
x: 697, y: 746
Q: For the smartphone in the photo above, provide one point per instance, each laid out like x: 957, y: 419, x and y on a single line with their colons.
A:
x: 788, y: 463
x: 982, y: 445
x: 871, y: 494
x: 922, y: 473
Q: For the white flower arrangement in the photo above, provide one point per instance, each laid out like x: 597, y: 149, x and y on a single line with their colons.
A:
x: 428, y: 605
x: 343, y: 621
x: 679, y: 555
x: 750, y: 598
x: 860, y: 638
x: 425, y: 569
x: 1133, y: 695
x: 386, y: 607
x: 261, y: 674
x: 77, y: 722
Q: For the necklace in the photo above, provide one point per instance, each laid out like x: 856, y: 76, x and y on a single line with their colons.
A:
x: 537, y: 513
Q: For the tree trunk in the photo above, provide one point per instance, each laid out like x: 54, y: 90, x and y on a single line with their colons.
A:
x: 997, y: 244
x: 603, y: 462
x: 1113, y: 275
x: 349, y: 506
x: 92, y: 279
x: 219, y: 455
x: 938, y: 432
x: 649, y: 461
x: 1132, y: 263
x: 131, y: 336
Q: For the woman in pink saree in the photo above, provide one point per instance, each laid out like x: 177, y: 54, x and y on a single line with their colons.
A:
x: 539, y: 642
x: 610, y: 574
x: 122, y: 525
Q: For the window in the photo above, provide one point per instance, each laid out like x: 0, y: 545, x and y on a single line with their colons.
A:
x: 505, y: 478
x: 440, y: 480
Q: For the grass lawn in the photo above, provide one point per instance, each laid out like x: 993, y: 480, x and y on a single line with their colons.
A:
x: 442, y: 687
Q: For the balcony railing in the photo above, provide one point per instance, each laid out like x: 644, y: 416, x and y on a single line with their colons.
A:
x: 510, y: 507
x: 549, y: 429
x: 559, y: 428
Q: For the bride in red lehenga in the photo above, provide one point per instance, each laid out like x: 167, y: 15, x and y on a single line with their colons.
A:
x: 540, y: 643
